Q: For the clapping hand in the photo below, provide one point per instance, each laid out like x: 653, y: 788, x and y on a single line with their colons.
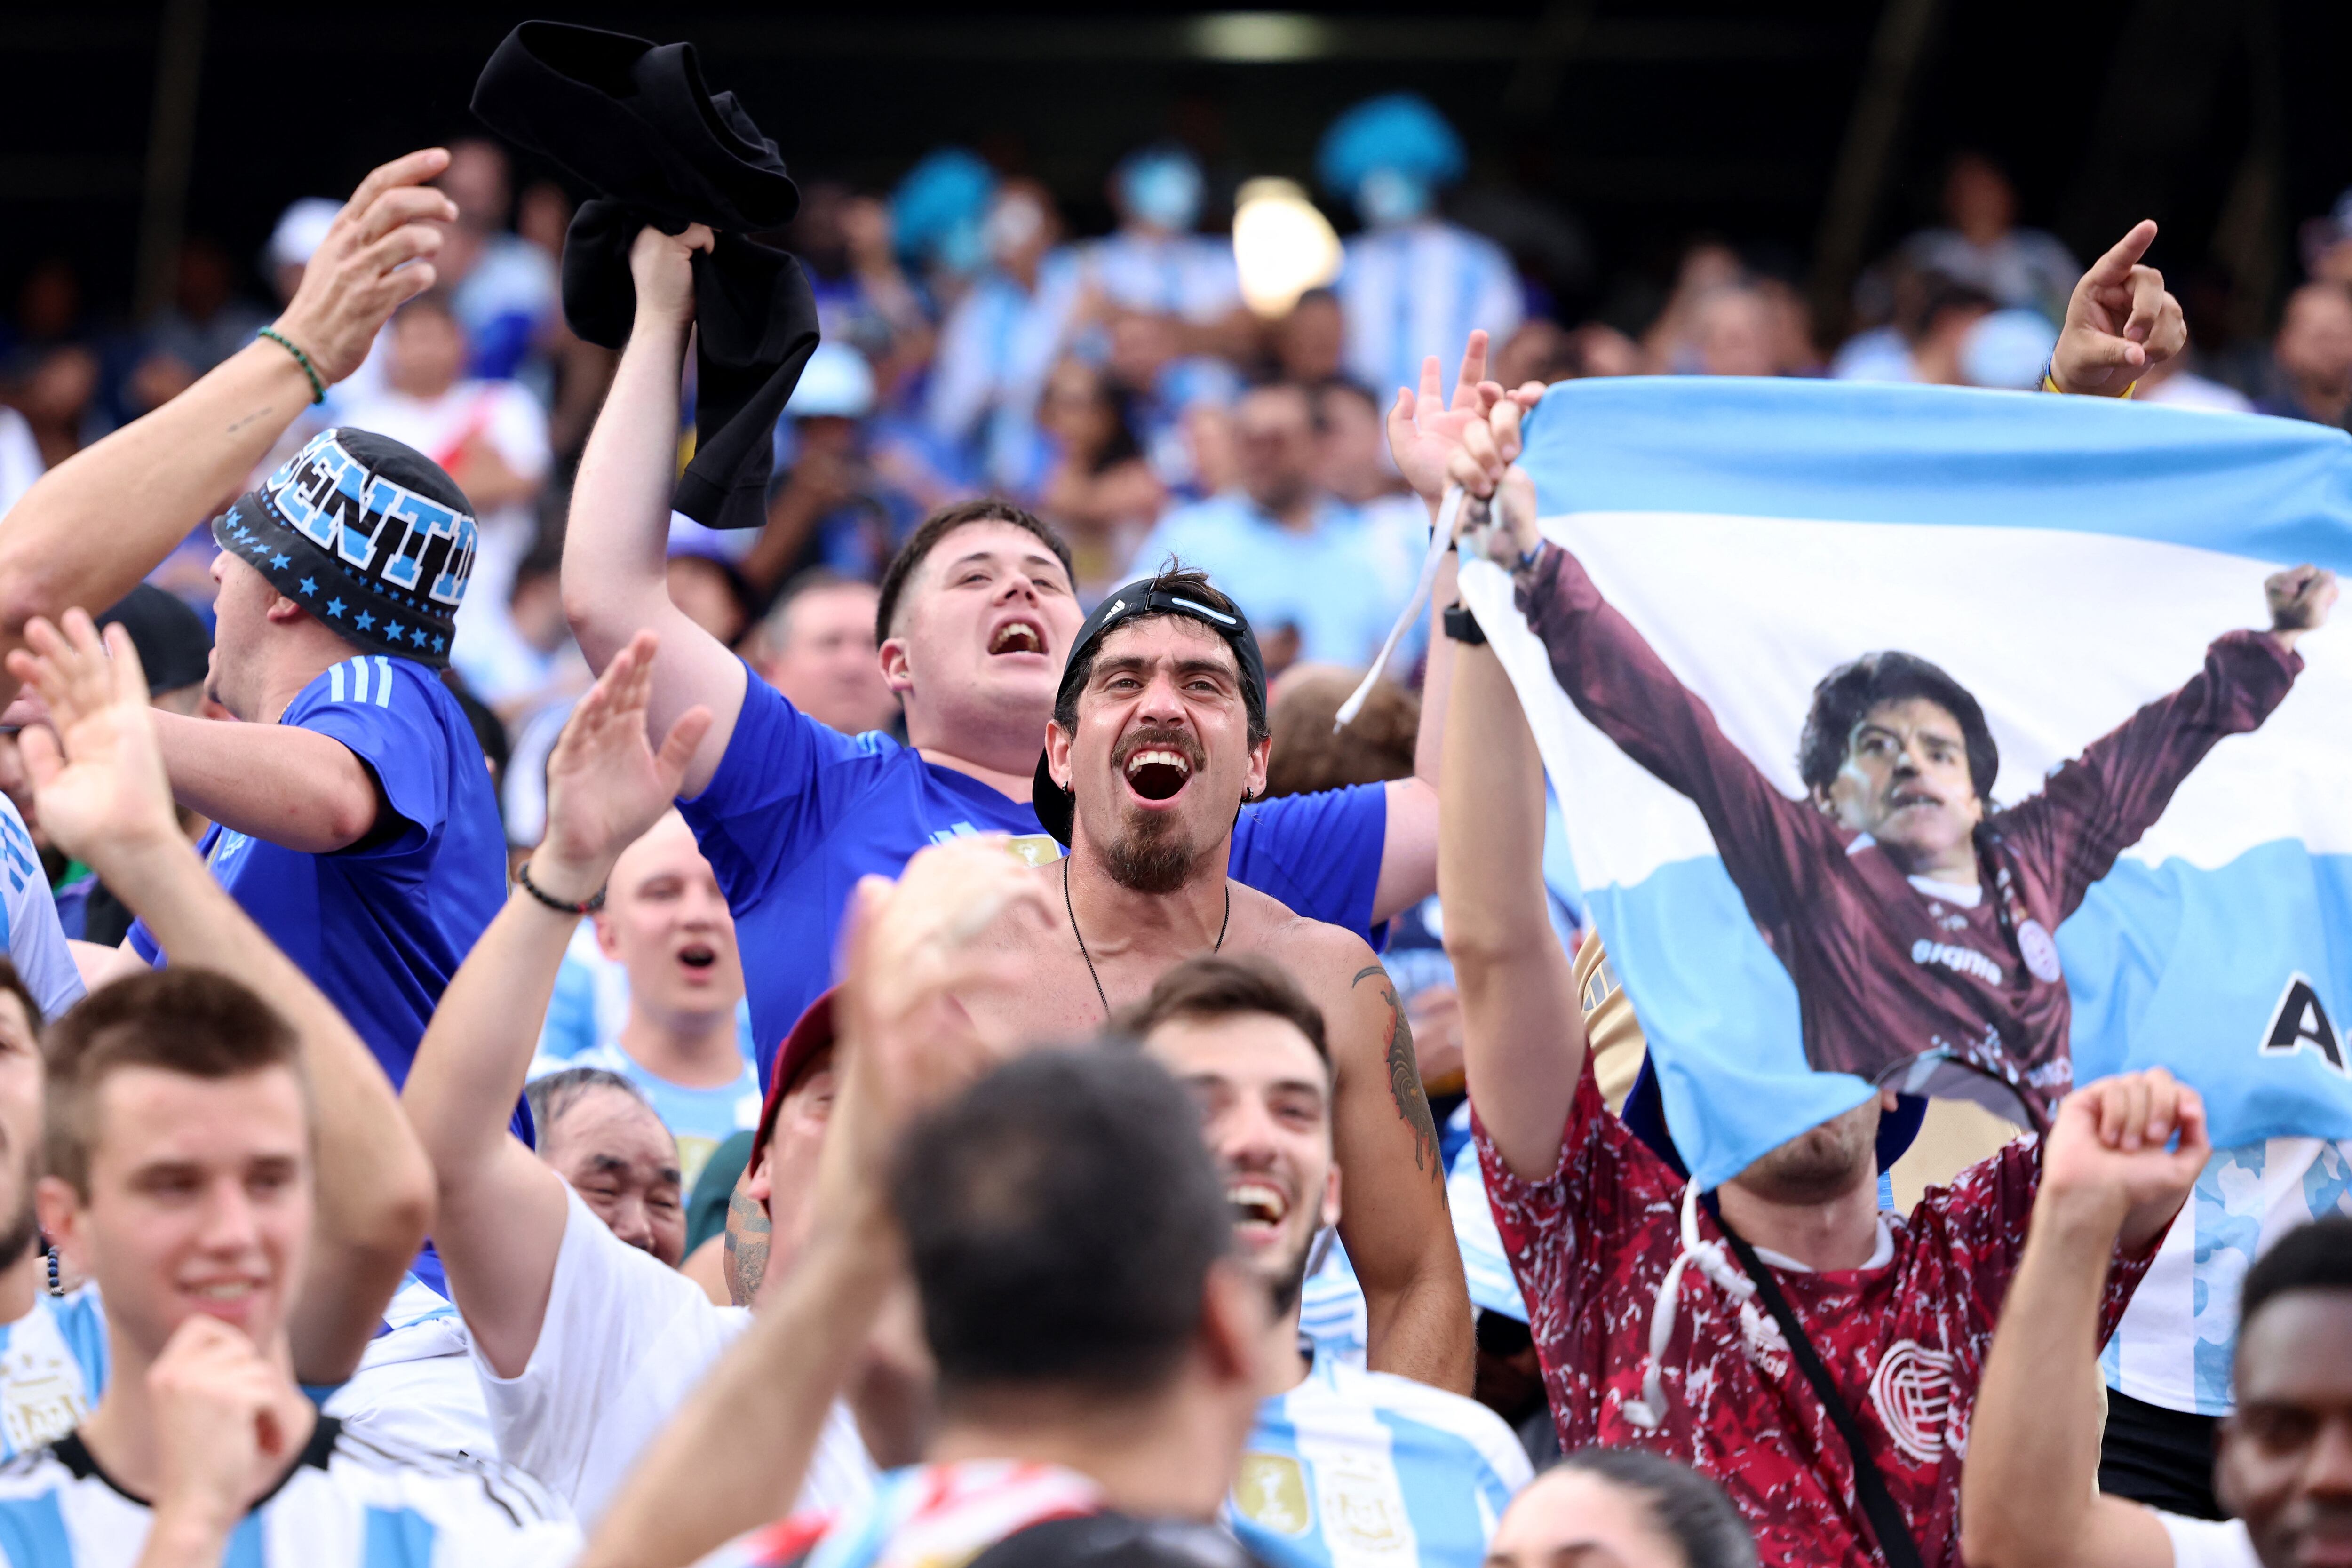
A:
x: 97, y: 776
x: 1424, y: 430
x: 2120, y: 322
x: 377, y: 257
x: 606, y: 783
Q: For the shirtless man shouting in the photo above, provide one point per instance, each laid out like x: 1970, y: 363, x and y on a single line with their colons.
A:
x: 1159, y: 735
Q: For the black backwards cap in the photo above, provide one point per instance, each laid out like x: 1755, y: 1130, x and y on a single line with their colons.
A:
x: 1056, y: 807
x: 365, y: 533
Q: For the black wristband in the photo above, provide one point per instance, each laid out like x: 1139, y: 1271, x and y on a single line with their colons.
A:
x: 522, y: 877
x: 1461, y: 625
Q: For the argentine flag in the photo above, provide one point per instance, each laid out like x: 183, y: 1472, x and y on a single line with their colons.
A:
x: 2067, y: 560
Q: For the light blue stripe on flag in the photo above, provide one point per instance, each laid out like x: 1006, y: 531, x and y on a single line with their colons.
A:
x: 2067, y: 560
x: 382, y: 681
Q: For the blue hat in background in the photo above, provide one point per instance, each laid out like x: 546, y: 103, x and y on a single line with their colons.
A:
x: 365, y: 533
x: 939, y: 210
x: 1161, y: 185
x: 1400, y: 133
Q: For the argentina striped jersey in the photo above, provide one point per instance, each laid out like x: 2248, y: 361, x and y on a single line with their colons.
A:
x: 1361, y: 1469
x: 367, y: 1503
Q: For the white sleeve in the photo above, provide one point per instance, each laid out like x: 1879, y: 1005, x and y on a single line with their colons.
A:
x: 35, y: 941
x: 2208, y: 1542
x: 516, y: 428
x: 608, y: 1307
x: 20, y: 457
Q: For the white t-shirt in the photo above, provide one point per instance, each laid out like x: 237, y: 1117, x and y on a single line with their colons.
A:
x: 20, y: 458
x: 415, y: 1383
x: 2208, y: 1542
x: 625, y: 1340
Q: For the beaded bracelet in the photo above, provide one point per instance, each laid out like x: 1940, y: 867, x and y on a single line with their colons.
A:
x: 594, y: 902
x: 318, y: 388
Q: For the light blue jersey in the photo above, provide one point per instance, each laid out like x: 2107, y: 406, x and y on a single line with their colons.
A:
x: 1360, y: 1470
x: 53, y: 1364
x: 29, y: 933
x: 700, y: 1119
x: 350, y: 1501
x: 1418, y: 290
x: 2175, y: 1344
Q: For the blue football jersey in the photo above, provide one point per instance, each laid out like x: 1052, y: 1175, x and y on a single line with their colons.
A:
x: 379, y: 927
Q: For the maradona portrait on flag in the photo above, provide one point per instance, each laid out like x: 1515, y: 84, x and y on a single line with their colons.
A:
x: 1824, y: 618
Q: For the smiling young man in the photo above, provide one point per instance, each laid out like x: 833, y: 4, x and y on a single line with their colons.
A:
x: 975, y: 620
x: 1159, y: 738
x: 180, y: 1142
x: 237, y: 1182
x: 1340, y: 1460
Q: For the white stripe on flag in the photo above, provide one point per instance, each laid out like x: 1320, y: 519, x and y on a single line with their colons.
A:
x: 335, y: 682
x: 382, y: 681
x: 359, y: 680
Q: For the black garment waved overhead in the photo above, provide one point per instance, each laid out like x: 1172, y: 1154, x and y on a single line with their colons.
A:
x: 634, y: 121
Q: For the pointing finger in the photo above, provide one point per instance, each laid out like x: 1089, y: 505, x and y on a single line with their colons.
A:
x: 2115, y: 265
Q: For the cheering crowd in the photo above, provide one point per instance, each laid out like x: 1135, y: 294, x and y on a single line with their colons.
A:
x: 904, y: 1032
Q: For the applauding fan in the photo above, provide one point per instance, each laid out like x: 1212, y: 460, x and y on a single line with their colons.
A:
x: 235, y: 1178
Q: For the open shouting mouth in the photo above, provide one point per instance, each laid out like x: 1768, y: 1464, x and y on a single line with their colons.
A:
x: 1157, y: 770
x: 1018, y: 636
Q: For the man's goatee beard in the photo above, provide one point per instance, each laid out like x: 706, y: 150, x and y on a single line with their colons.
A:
x: 1149, y: 862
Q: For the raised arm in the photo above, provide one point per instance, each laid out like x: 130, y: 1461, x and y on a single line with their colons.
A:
x: 2120, y: 324
x: 2029, y: 1493
x: 502, y: 1211
x: 103, y: 797
x: 1423, y: 432
x: 616, y: 542
x: 735, y: 1456
x: 2097, y: 804
x: 1523, y: 1032
x: 102, y: 518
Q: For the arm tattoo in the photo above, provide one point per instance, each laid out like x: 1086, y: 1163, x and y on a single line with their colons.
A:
x: 1404, y: 1075
x: 748, y: 1233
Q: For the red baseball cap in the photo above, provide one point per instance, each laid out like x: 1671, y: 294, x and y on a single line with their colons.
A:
x: 811, y: 1036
